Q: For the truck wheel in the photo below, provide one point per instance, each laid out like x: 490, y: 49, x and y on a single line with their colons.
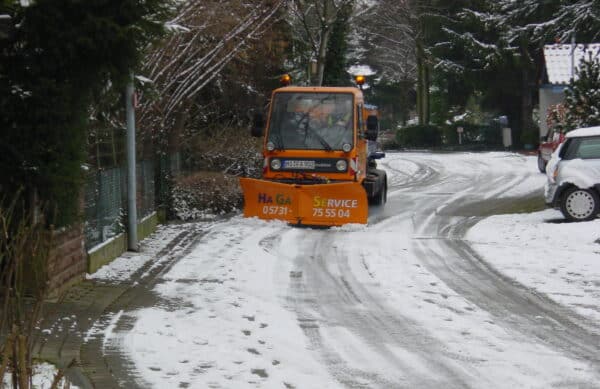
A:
x: 541, y: 164
x: 580, y: 204
x: 381, y: 197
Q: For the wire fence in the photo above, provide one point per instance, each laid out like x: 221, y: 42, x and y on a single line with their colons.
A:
x: 105, y: 202
x: 169, y: 167
x: 145, y: 188
x: 103, y: 205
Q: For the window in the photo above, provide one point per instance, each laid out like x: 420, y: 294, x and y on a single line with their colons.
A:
x: 311, y: 121
x: 360, y: 118
x: 584, y: 148
x: 589, y: 148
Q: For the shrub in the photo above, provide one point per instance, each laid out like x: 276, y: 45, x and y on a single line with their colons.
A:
x: 205, y: 194
x: 529, y: 138
x: 55, y: 66
x: 473, y: 134
x: 582, y: 97
x: 387, y: 141
x: 419, y: 136
x: 25, y: 247
x: 228, y: 150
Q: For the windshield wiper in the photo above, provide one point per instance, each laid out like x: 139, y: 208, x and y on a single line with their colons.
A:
x: 321, y: 140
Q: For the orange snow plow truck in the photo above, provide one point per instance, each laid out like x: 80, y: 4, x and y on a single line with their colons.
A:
x: 320, y: 156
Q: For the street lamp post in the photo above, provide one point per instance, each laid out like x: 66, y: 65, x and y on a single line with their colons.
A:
x: 132, y: 241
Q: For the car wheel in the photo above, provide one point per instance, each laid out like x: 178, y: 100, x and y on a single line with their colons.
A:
x: 541, y: 164
x: 580, y: 204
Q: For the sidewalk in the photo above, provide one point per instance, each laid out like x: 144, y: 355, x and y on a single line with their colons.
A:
x: 68, y: 323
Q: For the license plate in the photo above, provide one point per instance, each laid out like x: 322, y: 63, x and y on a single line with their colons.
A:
x: 294, y: 164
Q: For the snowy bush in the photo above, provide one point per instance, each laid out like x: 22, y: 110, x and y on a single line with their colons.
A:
x: 216, y: 158
x: 205, y: 194
x: 582, y: 97
x: 230, y: 150
x: 419, y: 136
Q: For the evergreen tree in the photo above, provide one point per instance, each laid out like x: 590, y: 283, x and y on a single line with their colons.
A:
x: 335, y: 61
x: 446, y: 50
x: 501, y: 44
x: 582, y: 97
x: 63, y: 55
x: 577, y: 18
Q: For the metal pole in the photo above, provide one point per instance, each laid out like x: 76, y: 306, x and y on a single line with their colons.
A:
x: 573, y: 46
x: 132, y: 241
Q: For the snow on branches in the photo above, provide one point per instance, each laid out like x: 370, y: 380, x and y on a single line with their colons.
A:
x: 582, y: 97
x: 312, y: 21
x: 389, y: 32
x: 207, y: 35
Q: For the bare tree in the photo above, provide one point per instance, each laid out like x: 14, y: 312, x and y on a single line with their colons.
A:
x: 312, y: 22
x: 389, y: 34
x: 24, y: 262
x: 207, y: 35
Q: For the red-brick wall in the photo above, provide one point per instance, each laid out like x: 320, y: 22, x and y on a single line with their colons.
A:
x: 67, y: 262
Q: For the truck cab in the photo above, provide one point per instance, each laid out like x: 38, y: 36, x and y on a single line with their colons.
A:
x: 317, y: 168
x: 315, y: 134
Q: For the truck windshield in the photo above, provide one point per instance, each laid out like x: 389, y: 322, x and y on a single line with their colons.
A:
x: 311, y: 121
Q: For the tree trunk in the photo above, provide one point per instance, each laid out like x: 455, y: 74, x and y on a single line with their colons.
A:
x: 8, y: 346
x: 326, y: 27
x: 322, y: 55
x: 23, y: 368
x: 422, y: 87
x: 526, y: 105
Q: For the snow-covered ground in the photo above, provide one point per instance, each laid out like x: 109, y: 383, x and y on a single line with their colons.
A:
x: 264, y: 305
x: 540, y: 250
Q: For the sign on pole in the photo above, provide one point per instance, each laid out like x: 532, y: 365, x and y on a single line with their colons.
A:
x: 506, y: 137
x: 460, y: 131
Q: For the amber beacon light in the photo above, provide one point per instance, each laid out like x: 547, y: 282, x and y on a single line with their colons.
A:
x: 285, y: 80
x: 360, y: 80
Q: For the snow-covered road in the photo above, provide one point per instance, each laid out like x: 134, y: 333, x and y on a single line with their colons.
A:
x: 413, y: 300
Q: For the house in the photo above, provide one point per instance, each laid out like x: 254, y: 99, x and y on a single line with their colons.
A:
x: 561, y: 63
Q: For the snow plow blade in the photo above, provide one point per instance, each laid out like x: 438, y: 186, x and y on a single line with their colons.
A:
x: 333, y: 204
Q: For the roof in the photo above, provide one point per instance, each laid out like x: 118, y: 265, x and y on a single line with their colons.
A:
x: 589, y: 131
x: 558, y: 60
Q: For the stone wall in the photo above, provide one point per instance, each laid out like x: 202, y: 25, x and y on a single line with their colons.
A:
x: 67, y: 262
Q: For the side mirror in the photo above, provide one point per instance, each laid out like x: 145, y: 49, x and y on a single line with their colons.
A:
x: 258, y: 124
x: 372, y: 127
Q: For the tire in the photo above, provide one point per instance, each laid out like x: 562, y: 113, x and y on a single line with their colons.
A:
x: 580, y: 204
x: 381, y: 196
x: 541, y: 164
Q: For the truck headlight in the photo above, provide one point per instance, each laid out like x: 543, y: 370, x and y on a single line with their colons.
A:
x: 341, y: 165
x: 275, y: 164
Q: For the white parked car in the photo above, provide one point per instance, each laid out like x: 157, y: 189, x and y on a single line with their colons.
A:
x: 574, y: 175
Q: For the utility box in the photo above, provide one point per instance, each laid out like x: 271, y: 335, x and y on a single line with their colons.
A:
x: 506, y: 137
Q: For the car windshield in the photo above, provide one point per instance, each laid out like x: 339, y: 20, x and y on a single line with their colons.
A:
x: 311, y: 121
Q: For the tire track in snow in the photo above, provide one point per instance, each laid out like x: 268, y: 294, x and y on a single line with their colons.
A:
x: 515, y: 307
x: 510, y: 302
x: 343, y: 320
